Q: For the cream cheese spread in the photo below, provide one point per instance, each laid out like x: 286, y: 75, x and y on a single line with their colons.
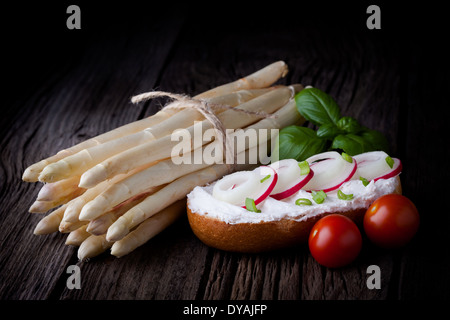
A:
x: 202, y: 202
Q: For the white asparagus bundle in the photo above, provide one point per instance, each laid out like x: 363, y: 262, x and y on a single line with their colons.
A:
x: 132, y: 189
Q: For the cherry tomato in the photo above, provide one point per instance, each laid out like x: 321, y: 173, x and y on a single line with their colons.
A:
x: 335, y: 241
x: 391, y: 221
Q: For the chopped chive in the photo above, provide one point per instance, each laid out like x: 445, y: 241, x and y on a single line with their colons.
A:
x: 303, y: 201
x: 390, y: 162
x: 347, y: 157
x: 304, y: 167
x: 319, y: 196
x: 344, y: 196
x: 365, y: 182
x: 265, y: 178
x: 250, y: 205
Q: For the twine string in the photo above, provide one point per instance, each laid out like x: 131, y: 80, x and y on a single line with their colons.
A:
x: 207, y: 109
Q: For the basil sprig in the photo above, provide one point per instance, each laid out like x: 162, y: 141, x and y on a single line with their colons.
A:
x: 334, y: 132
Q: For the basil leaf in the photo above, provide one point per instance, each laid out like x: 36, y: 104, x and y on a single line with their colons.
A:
x: 297, y: 143
x: 352, y: 144
x: 376, y: 139
x: 328, y: 131
x: 349, y: 125
x: 317, y: 107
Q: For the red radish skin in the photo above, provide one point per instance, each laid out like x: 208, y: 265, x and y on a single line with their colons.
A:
x: 289, y: 192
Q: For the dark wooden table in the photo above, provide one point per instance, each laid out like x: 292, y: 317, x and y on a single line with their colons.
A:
x: 65, y: 86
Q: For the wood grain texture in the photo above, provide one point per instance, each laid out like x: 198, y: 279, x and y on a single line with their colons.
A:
x: 388, y: 84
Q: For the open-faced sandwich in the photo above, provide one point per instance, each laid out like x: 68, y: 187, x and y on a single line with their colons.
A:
x: 275, y: 206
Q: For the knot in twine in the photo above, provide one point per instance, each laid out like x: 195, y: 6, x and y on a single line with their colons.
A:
x: 207, y: 109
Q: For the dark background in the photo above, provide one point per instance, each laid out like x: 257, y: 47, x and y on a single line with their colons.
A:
x: 410, y: 54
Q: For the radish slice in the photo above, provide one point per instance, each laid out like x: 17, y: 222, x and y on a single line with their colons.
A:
x: 236, y: 187
x: 330, y: 171
x: 373, y: 166
x: 290, y: 179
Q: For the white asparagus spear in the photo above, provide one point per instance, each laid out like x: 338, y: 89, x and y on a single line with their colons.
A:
x: 78, y: 163
x: 66, y: 227
x: 93, y: 246
x: 43, y: 206
x: 149, y: 228
x: 50, y: 223
x: 76, y: 237
x: 260, y: 79
x: 56, y: 190
x: 54, y: 194
x: 162, y: 148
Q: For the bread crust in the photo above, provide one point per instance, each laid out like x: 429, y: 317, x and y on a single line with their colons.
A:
x: 262, y: 236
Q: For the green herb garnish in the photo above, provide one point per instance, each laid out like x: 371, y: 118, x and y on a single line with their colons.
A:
x: 334, y: 132
x: 344, y: 196
x: 265, y: 178
x: 390, y: 162
x: 303, y: 201
x: 304, y: 167
x: 365, y: 182
x: 250, y: 205
x: 319, y: 196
